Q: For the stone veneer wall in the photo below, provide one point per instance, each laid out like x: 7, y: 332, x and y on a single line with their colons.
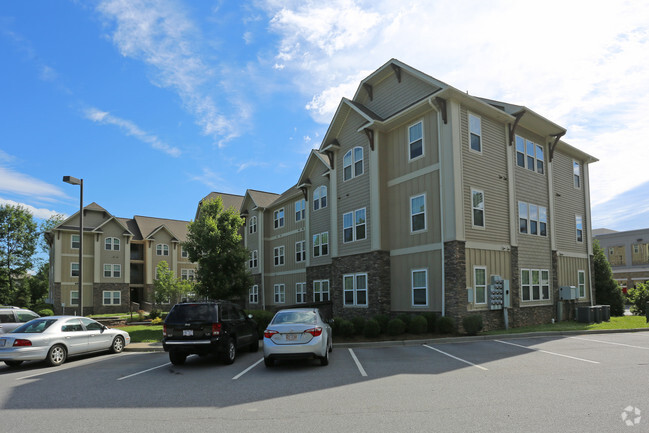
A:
x: 98, y: 298
x: 313, y: 273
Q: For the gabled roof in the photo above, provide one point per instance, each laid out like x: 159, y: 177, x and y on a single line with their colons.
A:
x: 262, y: 199
x: 92, y: 207
x: 229, y: 200
x: 315, y: 159
x: 287, y: 195
x: 149, y: 226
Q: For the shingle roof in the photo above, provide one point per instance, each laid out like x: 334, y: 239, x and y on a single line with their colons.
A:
x: 262, y: 199
x: 148, y: 225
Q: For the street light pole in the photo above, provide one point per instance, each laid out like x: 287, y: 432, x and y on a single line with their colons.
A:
x: 74, y: 181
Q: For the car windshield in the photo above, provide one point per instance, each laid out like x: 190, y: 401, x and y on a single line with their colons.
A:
x: 35, y: 326
x: 192, y: 313
x: 295, y: 317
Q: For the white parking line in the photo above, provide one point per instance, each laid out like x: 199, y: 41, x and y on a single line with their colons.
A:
x: 548, y: 352
x: 67, y: 366
x: 455, y: 357
x: 144, y: 371
x: 358, y: 363
x: 609, y: 342
x: 247, y: 369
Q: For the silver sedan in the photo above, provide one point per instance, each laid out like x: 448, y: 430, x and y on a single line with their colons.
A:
x: 297, y: 333
x: 54, y: 338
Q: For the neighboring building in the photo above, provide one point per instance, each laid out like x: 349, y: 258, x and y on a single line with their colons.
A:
x: 418, y: 194
x: 120, y: 257
x: 628, y: 254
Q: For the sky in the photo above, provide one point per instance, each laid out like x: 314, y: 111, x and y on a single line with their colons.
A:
x: 157, y: 103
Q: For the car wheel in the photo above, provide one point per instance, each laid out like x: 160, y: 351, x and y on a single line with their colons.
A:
x: 56, y: 355
x: 118, y: 344
x: 177, y: 358
x: 230, y: 352
x: 254, y: 346
x: 269, y: 362
x: 331, y: 346
x: 324, y: 360
x: 13, y: 363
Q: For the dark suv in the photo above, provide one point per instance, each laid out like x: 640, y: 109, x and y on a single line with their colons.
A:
x: 205, y: 328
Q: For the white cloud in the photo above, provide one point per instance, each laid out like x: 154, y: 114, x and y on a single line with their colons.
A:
x: 14, y: 182
x: 39, y: 213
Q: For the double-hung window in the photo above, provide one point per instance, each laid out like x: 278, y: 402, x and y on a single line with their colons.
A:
x: 353, y: 163
x: 112, y: 297
x: 74, y: 297
x: 533, y: 219
x: 321, y: 244
x: 419, y: 283
x: 252, y: 225
x: 253, y: 294
x: 187, y: 274
x: 321, y: 290
x: 112, y: 271
x: 355, y: 290
x: 415, y: 141
x: 576, y: 174
x: 579, y: 224
x: 581, y: 283
x: 480, y: 284
x: 278, y: 254
x: 162, y: 250
x: 530, y: 155
x: 74, y: 269
x: 300, y: 251
x: 418, y: 213
x: 279, y: 293
x: 111, y: 244
x: 75, y: 242
x: 475, y: 133
x: 278, y: 218
x: 254, y: 255
x: 300, y: 210
x: 354, y: 226
x: 477, y: 206
x: 535, y: 284
x: 300, y: 293
x: 320, y: 197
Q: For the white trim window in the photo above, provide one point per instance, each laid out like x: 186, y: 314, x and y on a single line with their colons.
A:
x: 355, y: 290
x: 480, y: 284
x: 419, y: 285
x: 162, y: 250
x: 74, y: 242
x: 530, y: 155
x: 279, y: 293
x: 533, y: 219
x: 112, y: 271
x: 300, y: 251
x: 74, y: 269
x: 187, y: 274
x: 581, y: 283
x: 253, y: 294
x: 278, y: 254
x: 535, y: 285
x: 475, y: 133
x: 111, y: 297
x: 300, y: 293
x: 321, y: 244
x: 354, y: 226
x: 253, y: 261
x: 477, y: 207
x: 300, y: 210
x: 74, y: 297
x: 111, y: 244
x: 416, y: 141
x: 320, y: 197
x: 252, y: 225
x: 579, y: 226
x: 183, y: 252
x: 576, y: 174
x: 353, y: 163
x: 418, y: 213
x: 278, y: 218
x: 321, y: 291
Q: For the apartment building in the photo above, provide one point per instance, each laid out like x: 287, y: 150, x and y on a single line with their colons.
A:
x: 418, y: 195
x: 120, y: 256
x: 628, y: 254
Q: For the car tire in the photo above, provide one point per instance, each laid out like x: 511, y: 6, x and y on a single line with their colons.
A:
x: 324, y: 360
x: 118, y: 344
x: 269, y: 362
x: 230, y: 353
x: 56, y: 355
x: 13, y: 363
x: 177, y: 358
x: 254, y: 346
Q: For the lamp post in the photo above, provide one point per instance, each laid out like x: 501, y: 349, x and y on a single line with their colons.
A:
x: 74, y: 181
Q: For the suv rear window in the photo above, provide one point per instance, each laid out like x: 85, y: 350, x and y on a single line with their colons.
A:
x: 193, y: 313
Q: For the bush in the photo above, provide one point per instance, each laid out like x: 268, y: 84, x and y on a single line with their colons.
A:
x: 396, y: 327
x: 383, y: 320
x: 156, y: 321
x: 372, y: 329
x: 446, y: 325
x: 263, y: 318
x: 155, y: 313
x: 359, y: 325
x: 345, y: 327
x: 431, y: 319
x: 639, y: 295
x: 418, y: 325
x: 45, y: 312
x: 405, y: 318
x: 472, y: 324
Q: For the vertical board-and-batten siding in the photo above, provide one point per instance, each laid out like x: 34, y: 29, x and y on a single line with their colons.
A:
x: 496, y: 262
x: 568, y: 272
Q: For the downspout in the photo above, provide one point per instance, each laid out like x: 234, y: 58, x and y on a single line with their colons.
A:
x: 441, y: 189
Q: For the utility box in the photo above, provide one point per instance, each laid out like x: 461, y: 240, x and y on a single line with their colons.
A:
x: 585, y: 315
x: 606, y: 313
x: 498, y: 293
x: 567, y: 293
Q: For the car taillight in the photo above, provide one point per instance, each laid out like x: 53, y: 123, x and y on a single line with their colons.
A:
x: 19, y: 342
x: 268, y: 333
x: 164, y: 330
x: 316, y: 332
x: 216, y: 329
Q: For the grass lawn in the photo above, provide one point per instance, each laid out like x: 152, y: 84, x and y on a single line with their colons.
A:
x: 623, y: 322
x: 143, y: 333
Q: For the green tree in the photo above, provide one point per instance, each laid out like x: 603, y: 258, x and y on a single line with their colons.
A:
x: 167, y: 287
x: 18, y: 238
x: 39, y: 284
x: 607, y: 291
x: 214, y: 242
x: 639, y: 295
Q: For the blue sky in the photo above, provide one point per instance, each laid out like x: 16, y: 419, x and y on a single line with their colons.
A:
x: 157, y: 103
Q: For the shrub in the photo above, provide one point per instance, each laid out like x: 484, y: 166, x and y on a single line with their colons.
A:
x: 359, y: 324
x: 140, y: 314
x: 418, y: 325
x: 45, y: 312
x: 372, y: 329
x: 383, y: 320
x: 472, y: 324
x: 263, y: 318
x: 396, y: 327
x: 431, y: 319
x: 156, y: 321
x: 346, y: 328
x: 155, y: 313
x: 639, y: 295
x: 405, y: 318
x: 446, y: 325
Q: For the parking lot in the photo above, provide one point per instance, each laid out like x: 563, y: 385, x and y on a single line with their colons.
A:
x: 564, y: 383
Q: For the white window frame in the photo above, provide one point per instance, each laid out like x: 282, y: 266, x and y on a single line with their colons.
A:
x: 72, y: 269
x: 530, y: 161
x: 279, y: 294
x: 72, y: 298
x: 112, y: 296
x: 419, y: 288
x: 542, y: 283
x: 112, y: 271
x: 413, y: 214
x: 475, y: 208
x: 111, y: 244
x: 355, y: 290
x: 253, y: 261
x: 187, y: 274
x: 300, y: 293
x: 355, y: 226
x: 321, y: 244
x: 253, y: 294
x: 320, y: 197
x: 252, y: 226
x: 480, y: 287
x: 162, y: 250
x: 411, y: 141
x: 576, y: 174
x: 533, y: 214
x: 278, y: 255
x: 579, y: 229
x: 352, y: 157
x: 300, y: 251
x: 300, y: 210
x: 278, y: 218
x: 72, y: 242
x: 183, y: 252
x: 321, y: 291
x: 581, y: 283
x: 476, y: 133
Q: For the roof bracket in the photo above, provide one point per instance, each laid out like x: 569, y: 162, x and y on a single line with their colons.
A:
x: 442, y: 104
x: 512, y: 128
x: 557, y: 137
x: 397, y: 71
x: 305, y: 193
x: 368, y: 88
x: 370, y: 136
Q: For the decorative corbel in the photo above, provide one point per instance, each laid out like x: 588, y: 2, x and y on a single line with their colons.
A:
x: 305, y: 193
x: 397, y: 71
x: 370, y: 136
x: 368, y: 88
x: 442, y: 105
x: 512, y: 128
x: 557, y: 137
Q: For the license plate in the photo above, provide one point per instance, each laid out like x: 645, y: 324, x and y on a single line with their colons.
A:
x: 291, y: 337
x: 2, y: 343
x: 188, y: 333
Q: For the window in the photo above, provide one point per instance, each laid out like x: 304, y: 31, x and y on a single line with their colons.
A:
x: 187, y: 274
x: 74, y: 297
x: 300, y: 251
x: 530, y: 155
x: 580, y: 228
x: 419, y: 287
x: 581, y: 283
x: 636, y: 248
x: 278, y: 218
x: 576, y: 173
x: 75, y: 242
x: 300, y: 293
x: 520, y: 151
x: 321, y: 290
x: 415, y: 141
x: 162, y: 250
x: 320, y: 197
x: 477, y: 204
x: 543, y: 221
x: 112, y: 297
x: 321, y: 244
x: 611, y: 251
x: 522, y: 217
x: 279, y: 293
x: 74, y: 269
x: 183, y: 252
x: 253, y: 259
x: 535, y: 284
x: 353, y: 163
x: 300, y: 210
x: 533, y: 219
x: 540, y: 164
x: 355, y: 290
x: 278, y: 253
x: 111, y: 244
x: 480, y: 284
x: 253, y: 294
x: 252, y: 225
x: 475, y: 133
x: 112, y: 271
x: 354, y: 226
x: 418, y: 213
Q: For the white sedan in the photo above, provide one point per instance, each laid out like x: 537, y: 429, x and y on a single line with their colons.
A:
x: 54, y: 338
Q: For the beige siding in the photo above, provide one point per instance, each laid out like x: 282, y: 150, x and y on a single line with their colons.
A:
x: 397, y: 148
x: 568, y: 272
x: 110, y: 257
x: 252, y: 239
x: 320, y: 220
x: 289, y: 281
x: 568, y: 202
x: 401, y: 268
x: 496, y: 262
